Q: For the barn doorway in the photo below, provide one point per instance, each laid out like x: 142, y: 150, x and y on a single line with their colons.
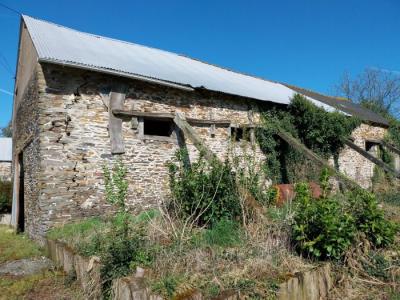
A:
x: 21, y: 200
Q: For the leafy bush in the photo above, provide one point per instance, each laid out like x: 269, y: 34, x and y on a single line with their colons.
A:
x: 325, y: 228
x: 370, y: 219
x: 203, y: 192
x: 5, y: 196
x: 322, y: 228
x: 321, y: 131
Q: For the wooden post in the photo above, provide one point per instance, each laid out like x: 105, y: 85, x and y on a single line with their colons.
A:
x: 115, y: 124
x: 295, y: 143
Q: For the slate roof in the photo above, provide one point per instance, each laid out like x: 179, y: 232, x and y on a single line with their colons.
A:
x: 60, y: 45
x: 5, y: 149
x: 349, y: 107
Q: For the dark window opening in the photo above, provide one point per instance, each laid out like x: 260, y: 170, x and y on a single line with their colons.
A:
x: 158, y: 127
x: 370, y: 146
x: 240, y: 134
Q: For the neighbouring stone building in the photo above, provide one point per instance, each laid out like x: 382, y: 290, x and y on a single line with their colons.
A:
x: 5, y: 158
x: 82, y: 100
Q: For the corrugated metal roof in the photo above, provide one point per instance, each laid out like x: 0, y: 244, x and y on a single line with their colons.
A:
x: 349, y: 107
x: 5, y: 149
x: 58, y: 44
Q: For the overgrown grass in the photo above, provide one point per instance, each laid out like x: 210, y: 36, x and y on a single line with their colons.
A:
x: 16, y: 246
x: 76, y: 230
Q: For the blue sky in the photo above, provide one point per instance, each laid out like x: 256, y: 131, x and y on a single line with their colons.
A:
x: 306, y: 43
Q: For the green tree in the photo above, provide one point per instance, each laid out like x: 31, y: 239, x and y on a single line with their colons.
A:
x: 7, y: 131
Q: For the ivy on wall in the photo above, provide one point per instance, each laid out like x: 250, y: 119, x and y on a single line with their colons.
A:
x: 321, y: 131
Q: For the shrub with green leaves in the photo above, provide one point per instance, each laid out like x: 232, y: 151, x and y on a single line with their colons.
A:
x: 321, y: 131
x: 5, y: 196
x: 322, y: 228
x: 116, y: 184
x: 203, y: 192
x: 370, y: 219
x: 326, y: 227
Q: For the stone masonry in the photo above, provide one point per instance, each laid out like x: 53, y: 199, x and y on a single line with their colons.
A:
x: 62, y: 127
x: 5, y: 170
x: 354, y: 164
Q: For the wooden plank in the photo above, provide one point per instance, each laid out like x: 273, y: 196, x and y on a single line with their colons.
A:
x: 391, y: 147
x: 115, y: 124
x: 160, y: 115
x: 295, y: 143
x: 189, y: 132
x: 372, y: 158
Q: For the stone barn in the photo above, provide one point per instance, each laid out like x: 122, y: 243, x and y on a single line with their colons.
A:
x: 5, y: 158
x: 81, y: 99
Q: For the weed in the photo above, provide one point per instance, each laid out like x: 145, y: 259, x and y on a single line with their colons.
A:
x: 16, y: 246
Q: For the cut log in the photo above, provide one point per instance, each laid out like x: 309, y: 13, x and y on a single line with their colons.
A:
x: 115, y: 124
x: 373, y: 159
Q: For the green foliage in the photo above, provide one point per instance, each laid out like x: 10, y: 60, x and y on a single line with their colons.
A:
x: 326, y: 227
x: 116, y: 184
x: 225, y: 233
x: 81, y: 228
x: 321, y: 131
x: 377, y: 266
x: 204, y: 192
x: 394, y: 132
x: 166, y: 286
x: 16, y: 246
x: 370, y: 219
x: 120, y: 252
x: 7, y: 131
x: 322, y: 229
x: 5, y: 196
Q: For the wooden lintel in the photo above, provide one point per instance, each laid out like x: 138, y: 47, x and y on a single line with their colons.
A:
x: 372, y: 158
x: 160, y: 115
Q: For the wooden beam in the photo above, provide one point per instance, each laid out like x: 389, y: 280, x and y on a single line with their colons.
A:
x: 390, y: 147
x: 372, y: 158
x: 190, y: 133
x: 160, y: 115
x: 295, y: 143
x: 115, y: 124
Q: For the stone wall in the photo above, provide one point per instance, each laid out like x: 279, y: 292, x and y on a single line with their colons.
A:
x: 5, y: 170
x: 354, y: 164
x: 65, y: 111
x: 26, y: 141
x: 74, y: 142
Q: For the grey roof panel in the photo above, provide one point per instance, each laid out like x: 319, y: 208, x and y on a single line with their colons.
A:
x: 5, y: 149
x: 58, y: 44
